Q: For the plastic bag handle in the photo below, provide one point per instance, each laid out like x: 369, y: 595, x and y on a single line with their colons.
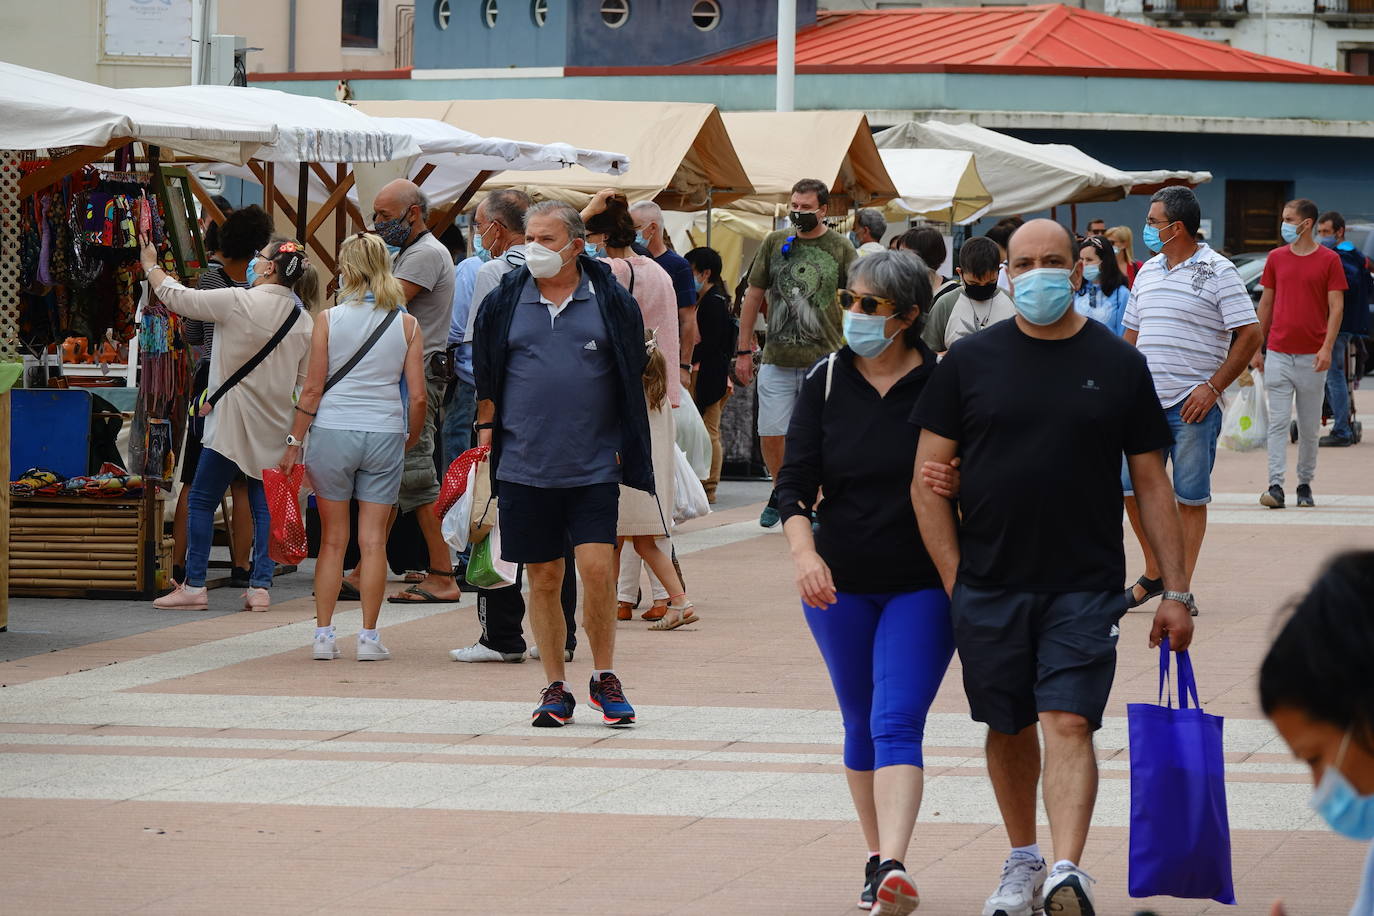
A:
x: 1187, y: 683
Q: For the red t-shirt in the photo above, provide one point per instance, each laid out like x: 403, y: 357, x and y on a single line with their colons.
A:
x: 1300, y: 284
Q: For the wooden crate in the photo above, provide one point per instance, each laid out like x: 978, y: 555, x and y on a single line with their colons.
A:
x: 88, y: 547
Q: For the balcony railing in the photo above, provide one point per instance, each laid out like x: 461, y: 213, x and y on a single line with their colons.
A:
x: 1344, y: 9
x: 1219, y: 10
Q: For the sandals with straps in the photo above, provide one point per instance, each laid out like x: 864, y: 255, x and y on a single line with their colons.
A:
x: 1153, y: 589
x: 679, y: 615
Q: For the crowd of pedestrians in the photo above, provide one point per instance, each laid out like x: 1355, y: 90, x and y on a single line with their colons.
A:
x: 952, y: 456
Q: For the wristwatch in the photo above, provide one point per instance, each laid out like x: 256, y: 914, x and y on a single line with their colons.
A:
x: 292, y: 440
x: 1184, y: 598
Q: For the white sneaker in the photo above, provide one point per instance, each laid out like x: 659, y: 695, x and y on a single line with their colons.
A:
x: 326, y: 648
x: 480, y: 653
x: 1069, y: 891
x: 372, y: 650
x: 1018, y: 893
x: 567, y: 654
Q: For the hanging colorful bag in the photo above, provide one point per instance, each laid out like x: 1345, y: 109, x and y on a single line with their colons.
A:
x: 287, y: 544
x: 1180, y: 836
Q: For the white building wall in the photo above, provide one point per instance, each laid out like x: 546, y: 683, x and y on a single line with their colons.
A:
x: 1278, y: 28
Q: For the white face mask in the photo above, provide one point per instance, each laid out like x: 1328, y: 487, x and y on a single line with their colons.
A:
x: 544, y: 262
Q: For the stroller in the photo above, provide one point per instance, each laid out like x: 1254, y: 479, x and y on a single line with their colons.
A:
x: 1355, y: 358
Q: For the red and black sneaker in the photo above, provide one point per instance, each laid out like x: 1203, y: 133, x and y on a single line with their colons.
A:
x: 555, y: 707
x: 895, y: 892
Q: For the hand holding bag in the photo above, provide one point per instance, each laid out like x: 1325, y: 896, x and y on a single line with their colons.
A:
x: 1180, y: 836
x: 1245, y: 419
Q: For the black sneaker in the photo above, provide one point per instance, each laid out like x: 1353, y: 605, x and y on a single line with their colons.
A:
x: 1334, y: 441
x: 894, y: 893
x: 1272, y: 497
x: 238, y: 577
x: 866, y: 895
x: 1305, y: 496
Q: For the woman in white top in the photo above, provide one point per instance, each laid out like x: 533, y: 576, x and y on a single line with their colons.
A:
x: 359, y: 429
x: 245, y: 429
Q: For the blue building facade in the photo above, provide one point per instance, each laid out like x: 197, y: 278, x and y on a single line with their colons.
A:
x: 491, y: 34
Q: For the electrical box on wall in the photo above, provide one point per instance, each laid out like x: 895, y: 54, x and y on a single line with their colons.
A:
x: 226, y: 59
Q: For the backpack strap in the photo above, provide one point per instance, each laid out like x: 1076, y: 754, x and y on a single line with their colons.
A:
x: 830, y: 373
x: 358, y: 354
x: 253, y: 362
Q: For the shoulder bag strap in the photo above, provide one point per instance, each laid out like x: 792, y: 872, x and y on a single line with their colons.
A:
x: 253, y: 362
x: 362, y: 351
x: 830, y: 373
x: 632, y: 277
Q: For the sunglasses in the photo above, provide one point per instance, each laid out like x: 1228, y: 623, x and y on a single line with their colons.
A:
x: 868, y: 304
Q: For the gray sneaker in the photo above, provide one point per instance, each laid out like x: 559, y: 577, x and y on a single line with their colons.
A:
x: 1019, y: 891
x: 372, y: 650
x: 1305, y: 496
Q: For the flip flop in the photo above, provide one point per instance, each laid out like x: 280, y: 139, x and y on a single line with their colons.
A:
x: 349, y: 592
x: 422, y: 597
x: 1153, y: 589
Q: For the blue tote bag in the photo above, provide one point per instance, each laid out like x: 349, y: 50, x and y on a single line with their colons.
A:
x: 1180, y: 838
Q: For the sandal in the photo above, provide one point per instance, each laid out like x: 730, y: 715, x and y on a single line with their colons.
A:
x: 1153, y: 589
x: 413, y: 576
x: 655, y: 612
x: 624, y: 610
x: 682, y: 615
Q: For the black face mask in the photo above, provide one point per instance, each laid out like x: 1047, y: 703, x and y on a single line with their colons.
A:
x: 980, y: 292
x: 804, y: 221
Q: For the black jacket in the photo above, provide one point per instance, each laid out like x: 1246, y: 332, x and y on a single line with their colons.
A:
x: 859, y: 449
x: 624, y: 326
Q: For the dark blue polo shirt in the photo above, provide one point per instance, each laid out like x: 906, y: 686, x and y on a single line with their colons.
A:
x: 560, y: 419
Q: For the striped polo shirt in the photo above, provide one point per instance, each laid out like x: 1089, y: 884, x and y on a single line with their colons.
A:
x: 1185, y: 317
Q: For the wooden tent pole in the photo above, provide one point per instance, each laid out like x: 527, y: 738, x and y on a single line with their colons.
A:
x: 73, y: 162
x: 302, y: 200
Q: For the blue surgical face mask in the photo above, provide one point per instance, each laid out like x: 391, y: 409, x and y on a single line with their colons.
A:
x: 1328, y: 241
x: 1289, y: 232
x: 1152, y: 240
x: 1345, y: 810
x: 479, y: 247
x: 1043, y: 296
x: 640, y: 240
x: 865, y: 334
x: 696, y: 282
x: 393, y: 250
x: 854, y: 239
x: 250, y: 275
x: 1091, y: 272
x: 593, y: 251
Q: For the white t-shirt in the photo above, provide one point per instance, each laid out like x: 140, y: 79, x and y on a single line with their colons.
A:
x: 1185, y: 317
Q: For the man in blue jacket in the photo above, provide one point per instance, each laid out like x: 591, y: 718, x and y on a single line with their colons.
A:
x: 558, y: 357
x: 1354, y: 324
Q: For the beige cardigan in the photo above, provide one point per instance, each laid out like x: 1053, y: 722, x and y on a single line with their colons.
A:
x: 249, y: 424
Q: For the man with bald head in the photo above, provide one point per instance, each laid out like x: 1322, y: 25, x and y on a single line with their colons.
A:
x: 1040, y: 408
x: 425, y: 269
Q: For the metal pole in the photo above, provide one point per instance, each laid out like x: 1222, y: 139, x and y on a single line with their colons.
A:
x: 787, y: 53
x: 291, y: 37
x: 709, y: 191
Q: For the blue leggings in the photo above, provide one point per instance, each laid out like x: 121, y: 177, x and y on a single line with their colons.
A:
x: 887, y: 655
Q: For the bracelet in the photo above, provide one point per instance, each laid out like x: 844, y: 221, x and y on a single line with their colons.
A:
x: 484, y: 426
x: 1209, y: 384
x: 685, y: 367
x: 744, y: 352
x: 302, y: 410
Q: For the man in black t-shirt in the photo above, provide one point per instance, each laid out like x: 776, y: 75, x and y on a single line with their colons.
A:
x: 1039, y: 408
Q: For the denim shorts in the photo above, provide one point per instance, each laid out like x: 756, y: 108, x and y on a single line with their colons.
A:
x: 1193, y: 454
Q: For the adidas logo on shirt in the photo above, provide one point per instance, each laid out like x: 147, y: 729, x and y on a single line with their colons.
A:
x: 591, y: 345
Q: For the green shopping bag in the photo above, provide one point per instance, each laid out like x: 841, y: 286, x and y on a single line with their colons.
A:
x: 486, y: 569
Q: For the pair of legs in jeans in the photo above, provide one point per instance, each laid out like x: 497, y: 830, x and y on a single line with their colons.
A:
x: 213, y: 476
x: 1337, y: 388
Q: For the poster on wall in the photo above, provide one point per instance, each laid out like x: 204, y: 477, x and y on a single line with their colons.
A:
x: 147, y: 28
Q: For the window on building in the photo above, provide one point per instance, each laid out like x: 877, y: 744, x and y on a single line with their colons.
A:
x: 490, y: 11
x: 539, y: 12
x: 1360, y: 62
x: 359, y: 24
x: 443, y: 12
x: 615, y: 13
x: 706, y: 14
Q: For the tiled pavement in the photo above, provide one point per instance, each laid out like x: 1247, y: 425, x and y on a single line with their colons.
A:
x: 210, y: 766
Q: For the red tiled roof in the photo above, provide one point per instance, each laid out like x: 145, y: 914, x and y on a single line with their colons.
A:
x: 1040, y: 39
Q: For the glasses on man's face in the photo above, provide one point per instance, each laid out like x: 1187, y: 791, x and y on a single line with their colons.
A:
x: 867, y: 304
x: 1159, y: 223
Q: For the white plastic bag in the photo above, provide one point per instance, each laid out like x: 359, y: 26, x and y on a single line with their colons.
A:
x: 692, y: 436
x: 458, y: 519
x: 1245, y: 420
x: 690, y: 499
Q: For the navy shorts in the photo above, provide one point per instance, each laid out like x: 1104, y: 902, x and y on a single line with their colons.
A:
x: 538, y: 523
x: 1024, y: 653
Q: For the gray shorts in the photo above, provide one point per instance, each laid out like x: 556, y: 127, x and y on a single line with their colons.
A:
x: 1024, y: 653
x: 779, y: 388
x: 346, y: 464
x: 420, y: 482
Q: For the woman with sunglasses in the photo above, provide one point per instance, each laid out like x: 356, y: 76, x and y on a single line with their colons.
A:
x: 870, y: 592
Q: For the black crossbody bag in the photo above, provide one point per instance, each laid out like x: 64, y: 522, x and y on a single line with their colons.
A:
x: 358, y: 355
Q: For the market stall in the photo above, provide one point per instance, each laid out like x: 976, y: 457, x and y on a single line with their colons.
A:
x: 69, y: 223
x: 936, y: 184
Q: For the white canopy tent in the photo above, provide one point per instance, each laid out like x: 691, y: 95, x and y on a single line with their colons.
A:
x: 937, y: 184
x: 40, y: 110
x: 1027, y: 177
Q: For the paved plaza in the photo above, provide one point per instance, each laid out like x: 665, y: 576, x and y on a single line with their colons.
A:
x: 203, y: 763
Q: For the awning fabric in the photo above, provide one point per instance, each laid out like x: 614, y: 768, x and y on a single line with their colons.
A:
x: 679, y: 150
x: 40, y: 110
x: 937, y: 184
x: 778, y: 148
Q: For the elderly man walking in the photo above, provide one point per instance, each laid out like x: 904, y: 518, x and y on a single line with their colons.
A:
x: 559, y: 357
x: 425, y: 269
x: 1040, y: 408
x: 1190, y: 315
x: 797, y: 271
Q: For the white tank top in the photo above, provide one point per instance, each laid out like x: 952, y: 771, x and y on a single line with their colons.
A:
x: 368, y: 398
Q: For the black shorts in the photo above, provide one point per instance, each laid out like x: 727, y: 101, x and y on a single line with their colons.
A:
x: 538, y: 523
x: 1024, y: 653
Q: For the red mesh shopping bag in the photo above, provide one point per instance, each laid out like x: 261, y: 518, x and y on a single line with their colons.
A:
x: 456, y: 478
x: 287, y: 544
